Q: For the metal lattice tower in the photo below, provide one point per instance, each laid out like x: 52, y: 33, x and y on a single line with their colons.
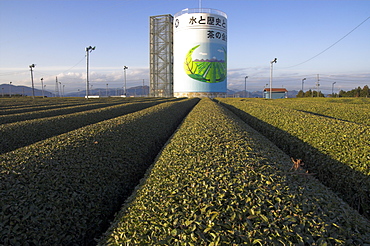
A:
x: 161, y: 56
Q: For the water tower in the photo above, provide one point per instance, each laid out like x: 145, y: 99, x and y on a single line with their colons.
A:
x: 200, y: 53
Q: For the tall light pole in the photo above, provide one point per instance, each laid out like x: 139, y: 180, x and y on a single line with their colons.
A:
x: 318, y: 85
x: 42, y: 87
x: 60, y: 91
x: 10, y: 89
x: 271, y: 62
x: 124, y: 73
x: 142, y: 90
x: 245, y: 85
x: 106, y: 92
x: 88, y: 50
x: 332, y: 88
x: 264, y: 95
x: 33, y: 87
x: 303, y: 82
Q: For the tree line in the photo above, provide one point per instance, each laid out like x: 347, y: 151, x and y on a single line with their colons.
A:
x: 357, y: 92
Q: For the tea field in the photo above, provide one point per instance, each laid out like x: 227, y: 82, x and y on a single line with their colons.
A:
x: 167, y: 171
x: 331, y: 136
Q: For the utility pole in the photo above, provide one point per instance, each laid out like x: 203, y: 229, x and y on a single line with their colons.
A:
x: 332, y: 88
x: 318, y: 84
x: 42, y: 87
x: 88, y: 50
x: 124, y: 73
x: 271, y: 62
x: 303, y: 83
x: 56, y: 90
x: 245, y: 85
x: 33, y: 87
x: 143, y: 89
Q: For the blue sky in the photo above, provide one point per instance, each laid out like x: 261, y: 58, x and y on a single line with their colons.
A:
x: 53, y: 34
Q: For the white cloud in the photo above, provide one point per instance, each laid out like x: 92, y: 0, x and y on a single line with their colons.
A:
x: 98, y: 78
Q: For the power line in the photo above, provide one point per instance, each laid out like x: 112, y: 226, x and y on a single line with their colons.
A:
x: 40, y: 72
x: 331, y: 45
x: 75, y: 65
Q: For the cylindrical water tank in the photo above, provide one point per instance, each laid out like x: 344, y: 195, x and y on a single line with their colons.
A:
x: 200, y: 53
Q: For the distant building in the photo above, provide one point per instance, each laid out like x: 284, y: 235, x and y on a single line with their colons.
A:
x: 276, y: 93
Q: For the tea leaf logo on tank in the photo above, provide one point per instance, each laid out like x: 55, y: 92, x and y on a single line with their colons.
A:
x: 210, y: 70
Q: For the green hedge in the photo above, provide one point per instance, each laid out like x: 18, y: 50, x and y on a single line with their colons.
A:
x: 37, y: 114
x: 23, y: 133
x: 219, y: 182
x: 64, y: 190
x: 355, y: 110
x: 337, y: 151
x: 22, y: 105
x: 28, y: 105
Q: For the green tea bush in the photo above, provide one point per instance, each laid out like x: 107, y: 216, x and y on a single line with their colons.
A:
x: 23, y: 133
x: 219, y: 182
x: 63, y: 190
x: 356, y: 110
x: 27, y: 104
x: 37, y: 114
x: 337, y: 151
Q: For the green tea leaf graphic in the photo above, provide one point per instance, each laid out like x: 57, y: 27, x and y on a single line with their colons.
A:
x: 189, y: 65
x: 209, y: 71
x: 198, y: 77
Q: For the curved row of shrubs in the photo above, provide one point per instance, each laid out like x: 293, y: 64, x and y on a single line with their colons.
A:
x: 62, y: 110
x: 64, y: 190
x: 28, y: 105
x: 355, y: 110
x: 19, y: 134
x: 22, y: 105
x: 337, y: 151
x: 219, y: 182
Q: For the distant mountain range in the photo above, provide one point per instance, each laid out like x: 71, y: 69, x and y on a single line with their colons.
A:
x: 6, y: 89
x: 209, y: 60
x: 137, y: 91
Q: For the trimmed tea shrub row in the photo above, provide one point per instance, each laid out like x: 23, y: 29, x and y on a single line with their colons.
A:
x: 21, y: 105
x: 355, y: 110
x: 13, y: 106
x: 64, y: 190
x: 337, y: 151
x: 219, y: 182
x: 19, y: 134
x: 37, y: 114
